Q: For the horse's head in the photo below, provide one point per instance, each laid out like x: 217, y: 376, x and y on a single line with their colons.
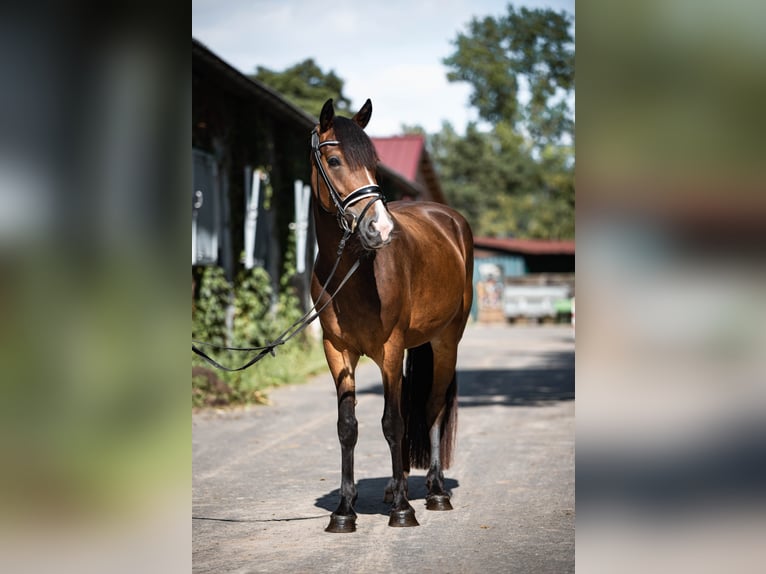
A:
x: 343, y: 172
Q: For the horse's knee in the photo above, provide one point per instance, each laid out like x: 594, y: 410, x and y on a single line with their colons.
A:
x: 348, y: 427
x: 348, y: 432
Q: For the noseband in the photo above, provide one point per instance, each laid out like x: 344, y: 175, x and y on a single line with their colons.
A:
x: 348, y: 221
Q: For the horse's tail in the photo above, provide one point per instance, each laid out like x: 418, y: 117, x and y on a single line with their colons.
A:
x: 416, y: 388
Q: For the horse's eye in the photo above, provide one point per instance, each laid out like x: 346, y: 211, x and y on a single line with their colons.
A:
x: 333, y: 161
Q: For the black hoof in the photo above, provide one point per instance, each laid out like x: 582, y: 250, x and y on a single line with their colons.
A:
x: 403, y: 518
x: 341, y: 524
x: 438, y: 502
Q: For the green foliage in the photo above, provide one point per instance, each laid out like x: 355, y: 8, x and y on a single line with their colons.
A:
x: 288, y: 304
x: 517, y: 178
x: 251, y: 326
x: 255, y: 323
x: 209, y: 314
x: 503, y: 186
x: 306, y: 86
x: 529, y: 51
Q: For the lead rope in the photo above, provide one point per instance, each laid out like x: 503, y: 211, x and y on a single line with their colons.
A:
x: 294, y: 329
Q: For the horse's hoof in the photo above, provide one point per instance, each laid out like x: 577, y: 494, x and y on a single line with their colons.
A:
x: 401, y: 518
x: 438, y: 502
x: 341, y: 524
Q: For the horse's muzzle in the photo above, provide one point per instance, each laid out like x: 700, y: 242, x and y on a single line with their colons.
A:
x: 376, y: 230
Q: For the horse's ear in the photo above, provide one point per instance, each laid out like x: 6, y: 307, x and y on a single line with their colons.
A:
x: 362, y: 117
x: 326, y: 117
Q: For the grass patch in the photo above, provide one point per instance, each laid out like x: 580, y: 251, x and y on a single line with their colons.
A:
x: 247, y: 312
x: 296, y: 362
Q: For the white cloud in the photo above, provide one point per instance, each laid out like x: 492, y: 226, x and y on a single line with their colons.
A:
x: 410, y: 94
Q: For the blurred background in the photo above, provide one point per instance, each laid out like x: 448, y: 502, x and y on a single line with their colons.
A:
x: 671, y: 394
x: 94, y: 430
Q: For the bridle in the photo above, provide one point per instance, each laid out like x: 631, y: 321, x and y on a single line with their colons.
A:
x: 348, y: 221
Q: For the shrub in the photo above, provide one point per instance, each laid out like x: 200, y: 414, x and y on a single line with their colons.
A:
x: 256, y: 321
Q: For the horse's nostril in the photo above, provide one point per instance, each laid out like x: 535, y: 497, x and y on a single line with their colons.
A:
x: 368, y: 226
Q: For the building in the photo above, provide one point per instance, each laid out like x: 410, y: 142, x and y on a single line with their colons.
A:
x: 407, y: 156
x: 504, y: 267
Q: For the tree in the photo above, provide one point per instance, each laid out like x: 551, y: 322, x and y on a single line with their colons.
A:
x: 527, y: 53
x: 502, y: 189
x: 517, y: 178
x: 306, y: 86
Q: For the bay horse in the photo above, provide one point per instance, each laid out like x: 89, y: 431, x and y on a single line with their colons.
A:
x: 410, y: 288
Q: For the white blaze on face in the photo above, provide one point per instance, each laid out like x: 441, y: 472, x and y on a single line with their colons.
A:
x: 383, y: 223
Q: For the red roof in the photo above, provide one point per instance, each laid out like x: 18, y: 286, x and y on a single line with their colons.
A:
x: 526, y: 246
x: 401, y: 153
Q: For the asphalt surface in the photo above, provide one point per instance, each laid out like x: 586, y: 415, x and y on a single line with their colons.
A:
x: 265, y: 480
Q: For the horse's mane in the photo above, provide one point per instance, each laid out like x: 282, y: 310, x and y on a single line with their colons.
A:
x: 356, y: 145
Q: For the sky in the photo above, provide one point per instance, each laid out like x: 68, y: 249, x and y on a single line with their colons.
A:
x: 390, y: 51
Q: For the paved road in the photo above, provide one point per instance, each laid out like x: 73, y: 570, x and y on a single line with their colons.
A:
x: 265, y: 480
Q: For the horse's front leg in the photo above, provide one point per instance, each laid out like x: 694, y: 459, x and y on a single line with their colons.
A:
x: 342, y: 364
x: 402, y: 513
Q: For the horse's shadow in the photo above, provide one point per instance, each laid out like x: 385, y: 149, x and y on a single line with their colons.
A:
x: 370, y: 494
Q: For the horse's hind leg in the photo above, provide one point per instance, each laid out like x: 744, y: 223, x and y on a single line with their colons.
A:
x: 441, y: 414
x: 437, y: 498
x: 402, y: 513
x: 342, y: 365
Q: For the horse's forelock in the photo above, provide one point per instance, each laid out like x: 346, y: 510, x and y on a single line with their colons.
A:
x: 356, y: 145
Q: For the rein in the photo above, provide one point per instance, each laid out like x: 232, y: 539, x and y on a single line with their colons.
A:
x: 294, y: 329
